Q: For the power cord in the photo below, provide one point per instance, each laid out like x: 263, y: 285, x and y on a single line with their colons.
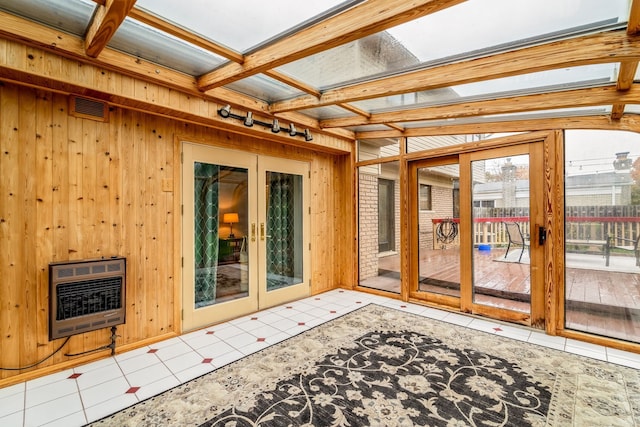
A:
x: 111, y: 346
x: 39, y: 362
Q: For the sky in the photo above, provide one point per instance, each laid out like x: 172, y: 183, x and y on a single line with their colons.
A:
x: 589, y: 151
x: 586, y: 151
x: 477, y: 24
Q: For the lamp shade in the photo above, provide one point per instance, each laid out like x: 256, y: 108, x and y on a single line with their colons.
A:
x: 230, y: 218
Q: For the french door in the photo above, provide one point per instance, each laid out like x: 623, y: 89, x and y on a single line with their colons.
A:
x: 479, y: 240
x: 245, y: 233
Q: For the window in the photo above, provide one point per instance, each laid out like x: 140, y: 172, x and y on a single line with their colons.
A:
x: 484, y: 204
x: 425, y: 197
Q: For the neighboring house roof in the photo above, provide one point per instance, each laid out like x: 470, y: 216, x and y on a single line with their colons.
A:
x: 599, y: 182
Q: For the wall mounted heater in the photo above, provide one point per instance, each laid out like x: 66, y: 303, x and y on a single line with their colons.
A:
x: 86, y: 295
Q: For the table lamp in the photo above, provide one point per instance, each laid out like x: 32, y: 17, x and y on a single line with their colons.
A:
x: 230, y: 218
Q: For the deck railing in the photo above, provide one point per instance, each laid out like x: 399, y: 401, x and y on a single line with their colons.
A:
x: 620, y: 230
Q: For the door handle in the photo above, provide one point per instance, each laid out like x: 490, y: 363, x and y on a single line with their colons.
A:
x: 253, y: 231
x: 542, y: 235
x: 262, y: 235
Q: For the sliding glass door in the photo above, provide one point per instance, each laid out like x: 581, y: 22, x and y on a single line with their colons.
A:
x: 505, y: 216
x: 436, y: 230
x: 244, y: 233
x: 474, y: 226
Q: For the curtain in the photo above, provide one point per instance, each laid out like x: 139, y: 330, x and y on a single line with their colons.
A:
x: 280, y: 226
x: 206, y: 178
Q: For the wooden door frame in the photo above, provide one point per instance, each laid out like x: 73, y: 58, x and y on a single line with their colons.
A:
x: 446, y: 301
x: 271, y: 298
x: 256, y: 299
x: 534, y: 149
x: 194, y: 318
x: 548, y: 295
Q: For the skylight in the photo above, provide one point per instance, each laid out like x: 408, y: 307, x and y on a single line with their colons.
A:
x: 242, y: 25
x: 469, y: 29
x: 543, y: 81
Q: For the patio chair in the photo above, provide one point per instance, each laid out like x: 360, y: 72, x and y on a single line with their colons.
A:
x: 633, y: 247
x: 515, y: 237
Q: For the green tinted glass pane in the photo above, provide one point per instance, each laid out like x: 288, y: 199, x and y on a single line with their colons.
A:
x: 220, y: 225
x: 284, y: 230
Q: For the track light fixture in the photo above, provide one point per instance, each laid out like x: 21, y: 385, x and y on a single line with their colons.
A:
x: 307, y: 135
x: 225, y: 111
x: 249, y: 121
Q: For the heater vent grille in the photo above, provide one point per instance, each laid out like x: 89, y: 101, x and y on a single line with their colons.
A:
x: 88, y: 108
x: 86, y: 295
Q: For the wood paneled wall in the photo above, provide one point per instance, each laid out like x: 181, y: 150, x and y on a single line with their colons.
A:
x: 74, y: 188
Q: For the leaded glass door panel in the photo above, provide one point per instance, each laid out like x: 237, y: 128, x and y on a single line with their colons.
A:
x: 283, y: 230
x: 219, y: 206
x: 245, y: 233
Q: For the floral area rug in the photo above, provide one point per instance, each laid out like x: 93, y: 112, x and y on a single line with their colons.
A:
x: 379, y: 366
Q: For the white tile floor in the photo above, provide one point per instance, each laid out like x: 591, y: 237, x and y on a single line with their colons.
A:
x: 90, y: 392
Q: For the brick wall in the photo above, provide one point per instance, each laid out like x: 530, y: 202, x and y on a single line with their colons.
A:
x: 368, y: 225
x: 442, y: 207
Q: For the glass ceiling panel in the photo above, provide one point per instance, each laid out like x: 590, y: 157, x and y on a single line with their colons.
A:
x: 144, y: 41
x: 542, y: 114
x: 329, y: 112
x: 264, y: 88
x: 368, y: 128
x: 72, y: 16
x: 243, y: 25
x: 471, y: 29
x: 632, y: 109
x: 424, y: 143
x: 544, y: 81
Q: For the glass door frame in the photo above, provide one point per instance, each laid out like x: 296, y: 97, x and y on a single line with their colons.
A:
x: 414, y: 206
x: 302, y: 289
x: 536, y: 316
x: 193, y: 318
x: 257, y: 297
x: 532, y: 145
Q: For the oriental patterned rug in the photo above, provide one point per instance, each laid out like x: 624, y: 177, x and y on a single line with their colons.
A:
x: 384, y: 367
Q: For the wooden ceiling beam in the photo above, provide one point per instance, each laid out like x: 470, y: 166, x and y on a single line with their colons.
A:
x: 633, y: 27
x: 70, y: 46
x: 563, y: 99
x: 395, y: 127
x: 366, y: 18
x: 18, y: 29
x: 41, y: 69
x: 629, y: 123
x: 363, y: 113
x: 628, y: 68
x: 625, y: 81
x: 355, y: 110
x: 283, y: 78
x: 626, y: 74
x: 104, y: 24
x: 592, y: 49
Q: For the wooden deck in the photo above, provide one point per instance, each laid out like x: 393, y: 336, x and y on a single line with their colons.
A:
x: 599, y: 300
